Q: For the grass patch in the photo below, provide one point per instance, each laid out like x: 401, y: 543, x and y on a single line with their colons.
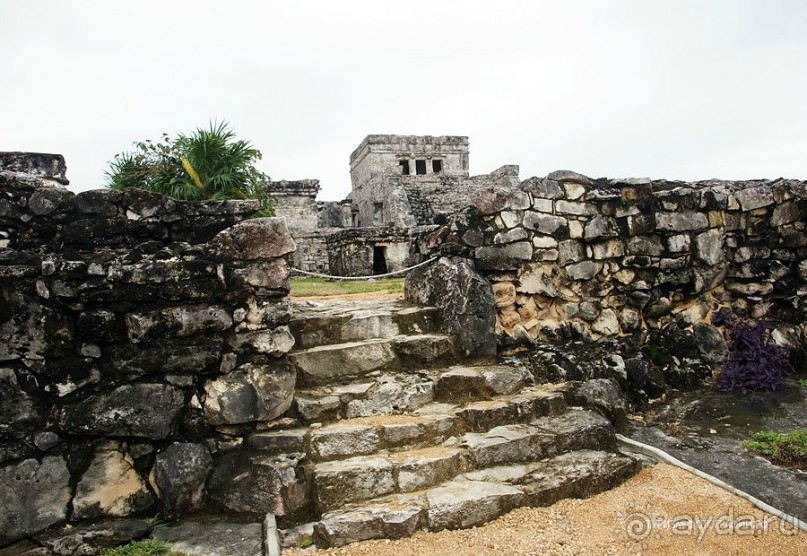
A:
x: 148, y: 547
x: 803, y: 382
x: 782, y: 448
x: 309, y: 287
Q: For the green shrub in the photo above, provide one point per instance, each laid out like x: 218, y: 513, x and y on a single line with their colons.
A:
x: 207, y: 164
x: 782, y: 448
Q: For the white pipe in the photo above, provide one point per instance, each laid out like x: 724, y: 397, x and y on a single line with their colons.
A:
x: 661, y: 455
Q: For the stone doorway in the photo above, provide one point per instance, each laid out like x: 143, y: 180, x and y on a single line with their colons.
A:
x: 379, y: 260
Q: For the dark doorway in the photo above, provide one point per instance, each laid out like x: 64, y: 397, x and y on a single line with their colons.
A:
x: 379, y: 260
x: 437, y: 166
x: 420, y: 167
x: 404, y: 167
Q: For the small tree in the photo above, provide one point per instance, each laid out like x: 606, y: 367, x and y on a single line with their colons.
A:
x: 207, y: 164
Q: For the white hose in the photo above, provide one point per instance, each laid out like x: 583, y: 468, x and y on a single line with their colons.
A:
x: 661, y: 455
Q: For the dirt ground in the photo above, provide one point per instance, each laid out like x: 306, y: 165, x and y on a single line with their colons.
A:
x: 661, y: 511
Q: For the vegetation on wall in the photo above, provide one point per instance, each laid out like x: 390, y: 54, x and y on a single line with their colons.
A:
x: 205, y: 164
x: 755, y: 362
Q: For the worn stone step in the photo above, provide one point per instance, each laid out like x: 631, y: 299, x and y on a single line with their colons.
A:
x: 343, y: 363
x: 322, y: 323
x: 462, y: 383
x: 376, y: 394
x: 543, y: 437
x: 213, y: 537
x: 368, y: 435
x: 340, y: 482
x: 400, y: 414
x: 338, y: 362
x: 474, y: 498
x: 530, y: 403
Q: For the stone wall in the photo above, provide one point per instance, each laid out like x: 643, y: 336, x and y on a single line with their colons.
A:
x: 569, y: 257
x: 141, y: 340
x: 296, y: 202
x: 353, y: 251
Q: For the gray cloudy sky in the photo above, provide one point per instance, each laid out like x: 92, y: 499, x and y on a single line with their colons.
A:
x: 676, y: 89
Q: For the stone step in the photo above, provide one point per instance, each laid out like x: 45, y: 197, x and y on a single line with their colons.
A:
x: 340, y: 482
x: 345, y: 362
x: 462, y: 383
x: 543, y: 437
x: 473, y: 498
x: 315, y: 324
x: 213, y: 537
x: 429, y: 424
x: 379, y: 473
x: 379, y: 393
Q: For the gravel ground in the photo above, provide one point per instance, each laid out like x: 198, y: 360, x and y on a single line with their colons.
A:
x: 661, y: 511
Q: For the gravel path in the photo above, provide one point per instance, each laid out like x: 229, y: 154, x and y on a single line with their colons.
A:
x: 661, y: 511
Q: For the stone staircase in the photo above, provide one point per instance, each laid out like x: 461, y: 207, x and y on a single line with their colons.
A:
x: 393, y: 435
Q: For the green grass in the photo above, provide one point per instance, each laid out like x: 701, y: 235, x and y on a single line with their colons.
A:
x: 308, y: 287
x: 781, y: 448
x: 148, y: 547
x: 803, y: 382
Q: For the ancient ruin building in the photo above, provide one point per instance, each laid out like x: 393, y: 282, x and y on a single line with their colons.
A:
x: 399, y: 182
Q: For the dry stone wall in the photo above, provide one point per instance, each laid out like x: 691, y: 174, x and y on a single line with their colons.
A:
x: 571, y: 257
x: 141, y: 339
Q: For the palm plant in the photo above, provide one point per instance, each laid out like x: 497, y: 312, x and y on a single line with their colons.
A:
x: 206, y: 164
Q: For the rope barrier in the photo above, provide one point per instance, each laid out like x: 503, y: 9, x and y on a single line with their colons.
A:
x: 374, y: 277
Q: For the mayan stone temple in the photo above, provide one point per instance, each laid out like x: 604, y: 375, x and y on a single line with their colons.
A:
x: 155, y: 361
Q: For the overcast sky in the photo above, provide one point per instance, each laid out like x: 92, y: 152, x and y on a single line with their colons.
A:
x: 684, y: 90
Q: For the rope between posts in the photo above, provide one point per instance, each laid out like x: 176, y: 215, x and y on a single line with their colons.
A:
x: 374, y: 277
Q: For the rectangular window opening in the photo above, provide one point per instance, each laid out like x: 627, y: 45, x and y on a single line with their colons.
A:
x: 404, y: 164
x: 437, y: 166
x: 420, y: 167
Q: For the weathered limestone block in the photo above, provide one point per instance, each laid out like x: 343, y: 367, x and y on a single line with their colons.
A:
x: 257, y: 238
x: 570, y: 251
x: 681, y: 221
x: 601, y: 226
x: 149, y: 409
x: 492, y: 201
x: 786, y: 213
x: 504, y: 293
x: 754, y: 197
x: 461, y: 503
x: 19, y: 412
x: 265, y: 274
x: 510, y: 236
x: 177, y: 322
x: 608, y: 249
x: 343, y: 440
x: 352, y: 479
x: 542, y: 188
x: 678, y: 243
x: 647, y: 245
x: 503, y: 257
x: 451, y: 285
x: 544, y: 242
x: 585, y: 270
x: 556, y: 226
x: 709, y: 247
x: 110, y: 487
x: 34, y: 496
x: 574, y: 208
x: 179, y: 476
x: 567, y: 176
x: 604, y: 395
x: 275, y: 342
x: 245, y: 482
x: 540, y: 279
x: 573, y: 190
x: 252, y: 392
x: 607, y: 324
